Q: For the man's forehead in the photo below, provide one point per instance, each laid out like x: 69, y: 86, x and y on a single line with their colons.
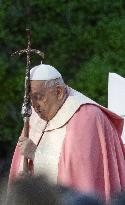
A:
x: 37, y: 85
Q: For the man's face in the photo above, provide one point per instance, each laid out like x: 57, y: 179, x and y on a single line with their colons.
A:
x: 44, y: 100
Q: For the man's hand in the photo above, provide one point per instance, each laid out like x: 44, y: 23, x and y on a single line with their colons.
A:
x: 27, y: 147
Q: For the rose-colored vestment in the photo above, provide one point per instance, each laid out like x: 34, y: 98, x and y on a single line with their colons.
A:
x: 92, y: 155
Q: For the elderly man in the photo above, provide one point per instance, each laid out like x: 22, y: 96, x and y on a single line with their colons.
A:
x: 72, y: 140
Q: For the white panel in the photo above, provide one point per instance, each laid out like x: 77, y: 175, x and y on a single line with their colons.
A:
x: 116, y: 96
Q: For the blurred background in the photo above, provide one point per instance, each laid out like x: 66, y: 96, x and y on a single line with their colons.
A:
x: 83, y: 39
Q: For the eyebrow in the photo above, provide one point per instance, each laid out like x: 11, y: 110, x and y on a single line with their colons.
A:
x: 36, y: 93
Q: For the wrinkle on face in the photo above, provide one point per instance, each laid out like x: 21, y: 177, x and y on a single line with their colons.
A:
x: 45, y: 100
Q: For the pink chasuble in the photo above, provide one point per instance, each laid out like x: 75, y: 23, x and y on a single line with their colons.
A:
x: 92, y: 157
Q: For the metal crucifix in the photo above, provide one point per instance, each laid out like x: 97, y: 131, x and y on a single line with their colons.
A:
x: 26, y: 107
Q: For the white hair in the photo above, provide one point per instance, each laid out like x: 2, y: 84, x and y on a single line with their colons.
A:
x: 54, y: 83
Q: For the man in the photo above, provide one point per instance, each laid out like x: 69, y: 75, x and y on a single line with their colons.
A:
x: 72, y: 139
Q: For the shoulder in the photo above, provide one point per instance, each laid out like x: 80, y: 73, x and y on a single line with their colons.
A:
x: 90, y: 110
x: 87, y: 113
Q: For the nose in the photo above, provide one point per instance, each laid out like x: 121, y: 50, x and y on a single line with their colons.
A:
x: 35, y: 105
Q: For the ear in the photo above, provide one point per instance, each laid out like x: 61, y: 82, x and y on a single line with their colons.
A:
x: 60, y: 92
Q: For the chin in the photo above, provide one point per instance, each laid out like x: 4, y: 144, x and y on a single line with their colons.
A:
x: 42, y: 117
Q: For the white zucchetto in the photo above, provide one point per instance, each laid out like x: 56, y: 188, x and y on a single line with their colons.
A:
x: 44, y: 72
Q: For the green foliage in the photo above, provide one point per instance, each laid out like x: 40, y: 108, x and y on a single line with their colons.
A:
x: 83, y: 39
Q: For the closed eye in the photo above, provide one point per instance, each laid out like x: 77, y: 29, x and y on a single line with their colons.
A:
x: 36, y: 96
